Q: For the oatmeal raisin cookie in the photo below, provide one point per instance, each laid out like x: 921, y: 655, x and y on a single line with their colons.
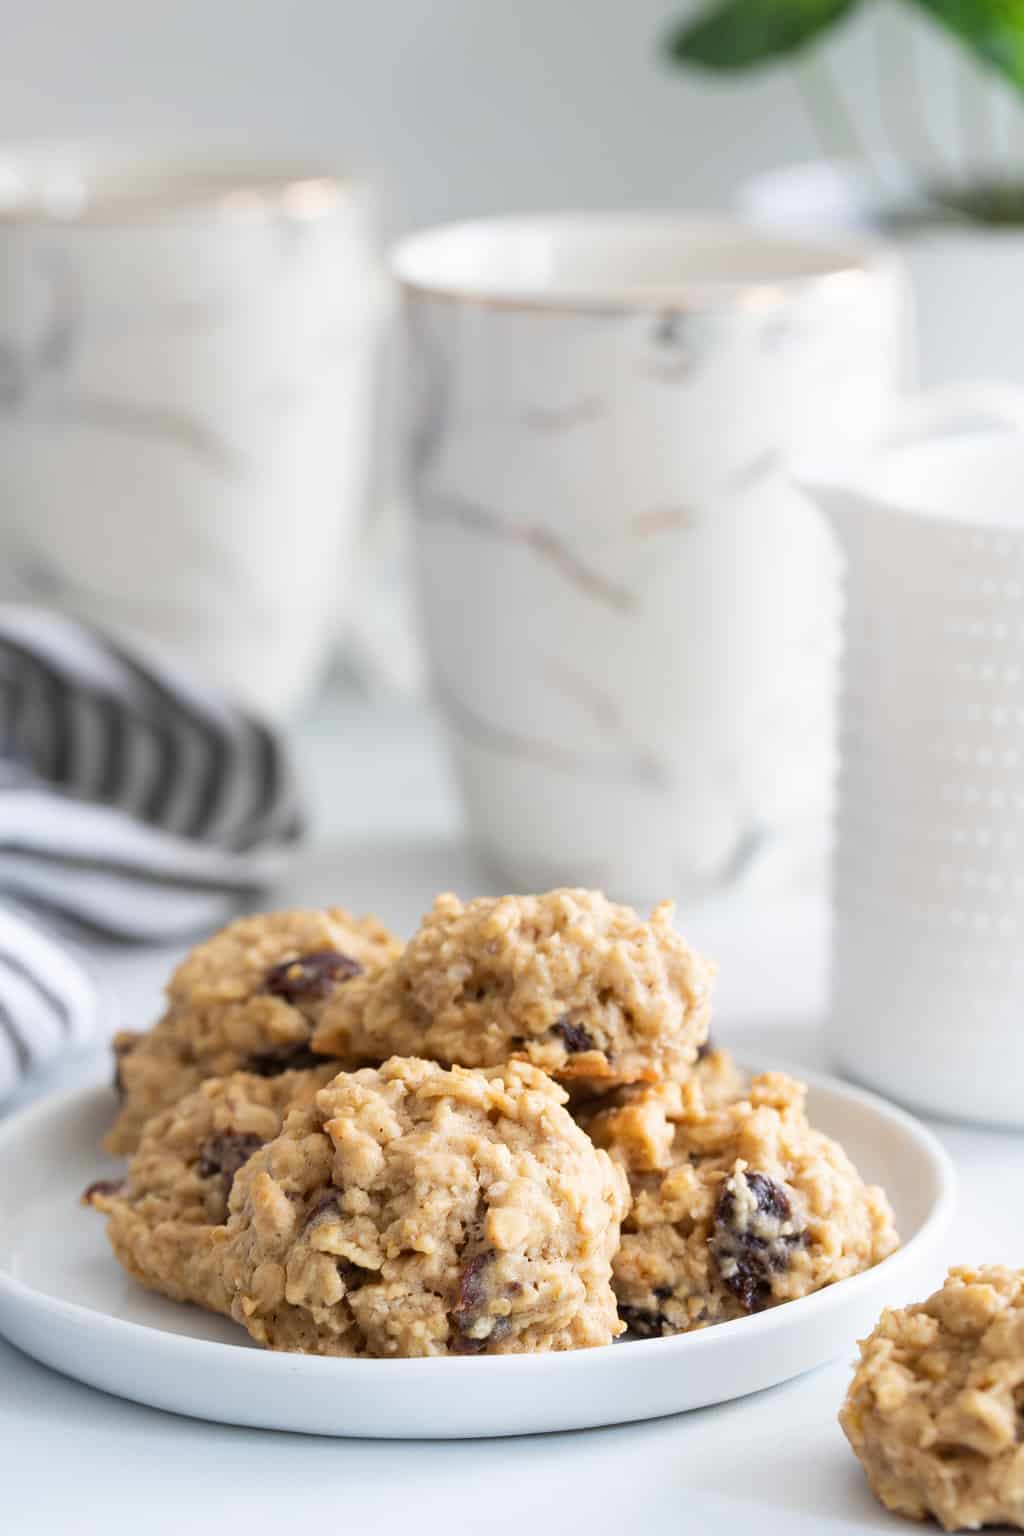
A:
x: 738, y: 1204
x: 567, y: 980
x: 247, y: 999
x: 934, y: 1409
x: 412, y: 1210
x: 177, y: 1186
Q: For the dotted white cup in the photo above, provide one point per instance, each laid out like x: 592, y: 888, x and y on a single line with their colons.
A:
x: 928, y: 964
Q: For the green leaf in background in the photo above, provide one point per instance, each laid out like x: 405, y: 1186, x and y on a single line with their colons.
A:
x: 735, y: 34
x: 993, y: 30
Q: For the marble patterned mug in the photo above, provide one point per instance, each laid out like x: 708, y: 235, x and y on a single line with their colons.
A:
x: 187, y: 358
x: 631, y: 615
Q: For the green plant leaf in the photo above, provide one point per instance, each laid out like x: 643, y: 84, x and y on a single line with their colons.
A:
x: 736, y: 34
x: 993, y: 30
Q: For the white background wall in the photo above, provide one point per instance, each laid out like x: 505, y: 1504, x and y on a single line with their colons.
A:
x: 469, y: 105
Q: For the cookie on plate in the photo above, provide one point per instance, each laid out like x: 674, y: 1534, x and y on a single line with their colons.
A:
x: 247, y: 999
x: 715, y: 1073
x: 412, y: 1210
x: 737, y: 1205
x: 568, y: 981
x: 934, y: 1409
x: 177, y: 1186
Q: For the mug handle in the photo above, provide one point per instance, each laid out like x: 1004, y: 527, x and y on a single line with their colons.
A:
x: 960, y: 409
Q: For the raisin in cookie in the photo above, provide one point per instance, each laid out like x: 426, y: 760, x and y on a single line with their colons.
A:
x: 247, y: 999
x: 934, y: 1409
x: 737, y: 1205
x: 567, y: 980
x: 412, y: 1210
x: 177, y: 1186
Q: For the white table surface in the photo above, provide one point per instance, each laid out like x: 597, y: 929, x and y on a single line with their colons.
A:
x: 387, y: 837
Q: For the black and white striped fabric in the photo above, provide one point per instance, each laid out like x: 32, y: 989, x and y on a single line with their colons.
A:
x: 134, y: 800
x: 135, y: 803
x: 48, y: 1001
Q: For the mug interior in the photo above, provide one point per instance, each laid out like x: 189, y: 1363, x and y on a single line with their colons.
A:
x: 976, y: 480
x: 630, y: 258
x: 96, y: 184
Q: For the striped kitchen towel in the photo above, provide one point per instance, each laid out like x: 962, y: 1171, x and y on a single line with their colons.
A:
x: 135, y: 803
x: 48, y: 1000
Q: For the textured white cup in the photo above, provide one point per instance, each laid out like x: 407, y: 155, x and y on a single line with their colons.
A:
x: 187, y: 352
x: 630, y: 614
x: 928, y: 961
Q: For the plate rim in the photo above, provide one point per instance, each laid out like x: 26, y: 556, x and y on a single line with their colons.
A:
x: 761, y: 1325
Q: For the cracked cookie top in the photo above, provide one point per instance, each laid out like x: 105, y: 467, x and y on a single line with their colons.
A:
x: 934, y: 1408
x: 247, y: 999
x: 414, y: 1210
x: 715, y: 1077
x: 567, y: 980
x: 738, y: 1203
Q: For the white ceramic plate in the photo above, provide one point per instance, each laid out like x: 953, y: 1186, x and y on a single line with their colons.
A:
x: 65, y: 1301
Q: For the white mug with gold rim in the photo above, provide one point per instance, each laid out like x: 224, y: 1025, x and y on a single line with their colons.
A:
x: 630, y: 614
x: 187, y: 353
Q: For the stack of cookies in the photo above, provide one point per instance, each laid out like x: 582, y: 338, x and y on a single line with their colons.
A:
x: 509, y: 1135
